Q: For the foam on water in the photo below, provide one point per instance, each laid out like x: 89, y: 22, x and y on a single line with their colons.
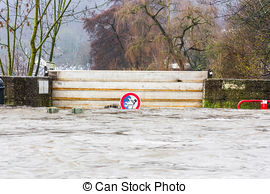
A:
x: 151, y: 143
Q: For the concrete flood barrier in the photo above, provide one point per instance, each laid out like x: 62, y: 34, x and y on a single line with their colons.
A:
x: 157, y: 89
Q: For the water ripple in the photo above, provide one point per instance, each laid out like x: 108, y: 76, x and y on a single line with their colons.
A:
x: 150, y: 143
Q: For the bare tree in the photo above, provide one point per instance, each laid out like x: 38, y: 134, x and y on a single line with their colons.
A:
x: 43, y: 18
x: 15, y: 17
x: 38, y: 16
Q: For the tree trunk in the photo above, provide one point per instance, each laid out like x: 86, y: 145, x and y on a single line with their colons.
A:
x: 33, y: 41
x: 8, y: 41
x: 2, y: 68
x: 52, y: 47
x: 14, y: 35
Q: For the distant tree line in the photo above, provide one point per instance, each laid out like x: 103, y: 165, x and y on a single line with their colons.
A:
x: 152, y: 34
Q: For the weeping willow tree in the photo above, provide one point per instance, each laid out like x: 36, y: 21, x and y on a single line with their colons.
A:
x: 150, y: 34
x: 167, y: 31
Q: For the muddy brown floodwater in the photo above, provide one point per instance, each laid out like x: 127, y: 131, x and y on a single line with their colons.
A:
x: 150, y: 143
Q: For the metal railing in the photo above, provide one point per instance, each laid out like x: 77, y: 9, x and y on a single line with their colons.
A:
x: 263, y: 103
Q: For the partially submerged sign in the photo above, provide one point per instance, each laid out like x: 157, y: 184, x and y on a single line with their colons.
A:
x: 130, y: 101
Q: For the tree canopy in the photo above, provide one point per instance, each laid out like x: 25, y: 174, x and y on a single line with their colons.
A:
x: 152, y: 34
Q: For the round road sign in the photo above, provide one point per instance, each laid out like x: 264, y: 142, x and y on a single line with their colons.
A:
x: 130, y: 101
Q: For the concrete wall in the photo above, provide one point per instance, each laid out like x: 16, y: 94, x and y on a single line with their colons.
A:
x: 226, y: 93
x: 97, y: 89
x: 28, y: 91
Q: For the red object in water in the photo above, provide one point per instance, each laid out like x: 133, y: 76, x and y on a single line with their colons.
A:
x: 263, y: 103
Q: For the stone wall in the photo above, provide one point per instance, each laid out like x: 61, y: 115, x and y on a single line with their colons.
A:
x: 28, y: 91
x: 226, y: 93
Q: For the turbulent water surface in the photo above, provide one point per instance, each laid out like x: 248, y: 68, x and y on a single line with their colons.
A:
x: 151, y: 143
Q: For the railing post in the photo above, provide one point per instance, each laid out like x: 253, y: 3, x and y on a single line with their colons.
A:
x: 264, y: 104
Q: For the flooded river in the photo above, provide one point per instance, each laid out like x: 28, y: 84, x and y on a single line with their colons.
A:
x: 151, y: 143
